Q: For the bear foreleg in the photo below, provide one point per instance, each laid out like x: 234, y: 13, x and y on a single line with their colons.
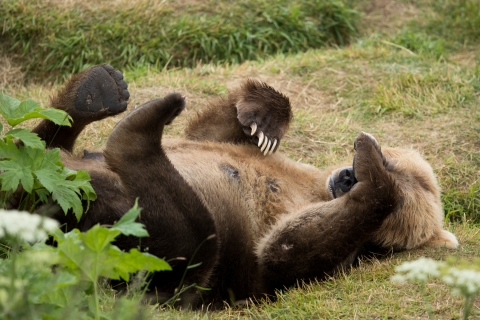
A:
x: 254, y: 113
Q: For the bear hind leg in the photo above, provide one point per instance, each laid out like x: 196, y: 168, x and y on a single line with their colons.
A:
x: 177, y: 220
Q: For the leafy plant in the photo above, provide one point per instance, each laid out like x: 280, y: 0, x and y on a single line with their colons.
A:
x: 31, y: 174
x: 29, y: 288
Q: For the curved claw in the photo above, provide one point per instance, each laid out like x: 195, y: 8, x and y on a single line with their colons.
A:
x: 273, y: 146
x: 267, y: 149
x: 254, y: 128
x: 260, y: 138
x: 264, y: 144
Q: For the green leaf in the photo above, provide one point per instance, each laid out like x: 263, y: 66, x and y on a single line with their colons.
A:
x: 92, y: 254
x: 7, y: 103
x: 28, y: 138
x: 127, y: 225
x: 16, y: 112
x: 33, y: 168
x: 14, y: 174
x: 62, y: 291
x: 52, y: 157
x: 75, y: 255
x: 82, y: 181
x: 134, y: 261
x: 48, y: 178
x: 42, y: 194
x: 8, y: 150
x: 66, y: 192
x: 66, y: 196
x: 98, y: 238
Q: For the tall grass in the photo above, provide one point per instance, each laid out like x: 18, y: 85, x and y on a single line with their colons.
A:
x: 452, y: 22
x: 457, y: 20
x: 46, y: 37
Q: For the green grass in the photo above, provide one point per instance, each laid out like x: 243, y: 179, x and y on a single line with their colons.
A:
x: 455, y: 20
x: 411, y: 77
x: 45, y: 36
x: 365, y: 292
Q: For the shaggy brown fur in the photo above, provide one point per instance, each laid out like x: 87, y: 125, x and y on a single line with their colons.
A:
x: 274, y: 221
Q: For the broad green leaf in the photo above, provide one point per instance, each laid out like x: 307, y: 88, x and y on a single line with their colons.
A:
x: 8, y: 150
x: 26, y: 106
x: 127, y: 225
x: 63, y: 290
x: 28, y: 138
x: 65, y: 192
x: 52, y: 156
x: 124, y: 263
x: 48, y: 178
x: 57, y: 116
x: 75, y: 255
x: 93, y: 254
x: 42, y: 194
x: 16, y: 112
x: 146, y: 261
x: 66, y: 196
x: 7, y: 104
x: 14, y: 174
x: 82, y: 182
x: 98, y: 238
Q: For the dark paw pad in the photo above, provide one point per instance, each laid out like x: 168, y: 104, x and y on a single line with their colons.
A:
x: 102, y: 92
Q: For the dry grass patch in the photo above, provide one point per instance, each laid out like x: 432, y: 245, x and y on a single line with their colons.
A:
x: 385, y: 15
x: 10, y: 74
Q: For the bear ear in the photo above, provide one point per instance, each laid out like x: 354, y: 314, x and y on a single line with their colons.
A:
x: 443, y: 239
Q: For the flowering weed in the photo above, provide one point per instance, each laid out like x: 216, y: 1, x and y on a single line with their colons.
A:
x: 463, y: 277
x: 30, y: 290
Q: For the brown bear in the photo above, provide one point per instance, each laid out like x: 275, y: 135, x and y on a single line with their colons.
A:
x: 223, y: 199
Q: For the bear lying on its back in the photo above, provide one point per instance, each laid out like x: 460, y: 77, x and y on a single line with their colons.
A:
x: 259, y: 220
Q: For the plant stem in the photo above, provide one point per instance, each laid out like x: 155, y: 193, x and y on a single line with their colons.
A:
x: 429, y: 304
x: 13, y: 275
x: 97, y: 307
x: 467, y: 306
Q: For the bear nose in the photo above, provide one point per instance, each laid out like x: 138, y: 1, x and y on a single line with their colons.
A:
x: 346, y: 179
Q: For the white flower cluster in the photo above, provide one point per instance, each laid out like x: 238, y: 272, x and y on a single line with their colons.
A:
x: 464, y: 281
x: 418, y: 270
x: 25, y: 226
